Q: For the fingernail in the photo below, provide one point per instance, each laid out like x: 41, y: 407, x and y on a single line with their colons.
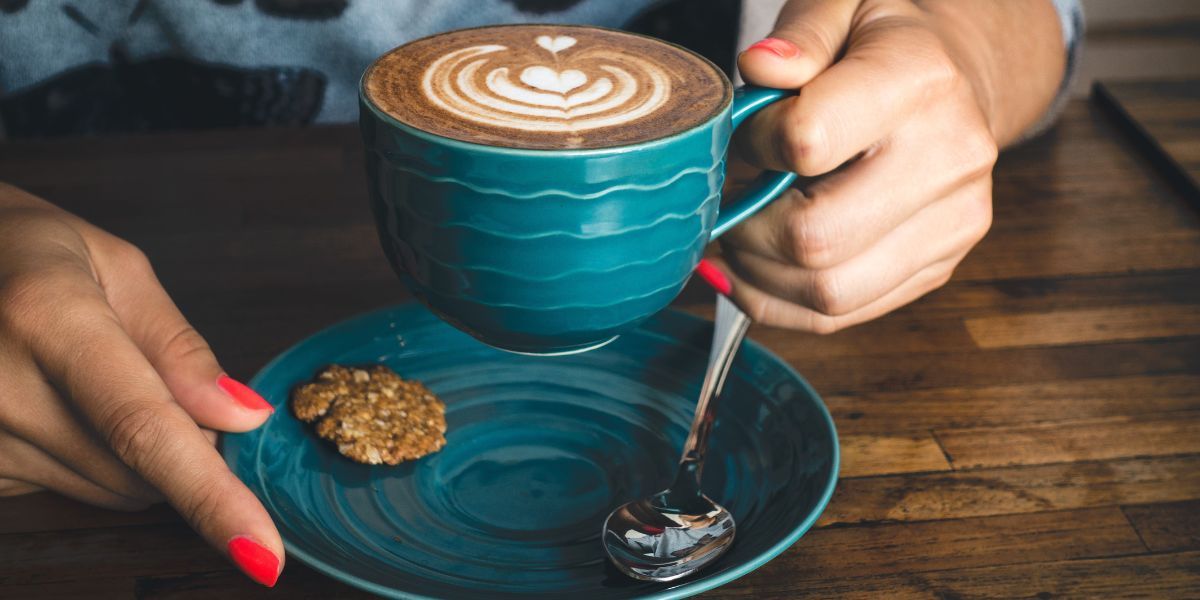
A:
x: 243, y: 394
x: 714, y: 277
x: 781, y: 48
x: 254, y: 560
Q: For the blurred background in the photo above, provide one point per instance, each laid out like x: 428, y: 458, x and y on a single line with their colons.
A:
x: 1139, y: 39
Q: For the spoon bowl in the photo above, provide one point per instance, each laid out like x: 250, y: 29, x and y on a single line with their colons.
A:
x: 679, y: 531
x: 651, y: 540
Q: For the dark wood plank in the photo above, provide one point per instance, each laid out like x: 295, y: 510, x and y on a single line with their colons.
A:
x: 46, y: 511
x: 1014, y: 490
x: 1106, y: 210
x: 122, y: 588
x: 967, y: 407
x: 1072, y: 251
x: 1100, y: 439
x: 854, y: 552
x: 937, y: 322
x: 1164, y: 576
x: 1175, y: 576
x: 1083, y: 326
x: 901, y: 371
x: 297, y: 581
x: 140, y: 550
x: 839, y: 552
x: 1167, y: 527
x: 1166, y: 113
x: 967, y: 299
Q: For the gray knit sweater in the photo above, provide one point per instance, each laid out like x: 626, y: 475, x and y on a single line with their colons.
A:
x: 79, y: 66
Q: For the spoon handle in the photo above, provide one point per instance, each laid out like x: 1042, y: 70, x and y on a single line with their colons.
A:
x: 728, y: 331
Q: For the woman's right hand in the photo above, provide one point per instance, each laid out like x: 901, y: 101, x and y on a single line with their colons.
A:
x: 107, y: 394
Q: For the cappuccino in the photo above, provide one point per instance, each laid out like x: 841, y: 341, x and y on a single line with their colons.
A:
x: 546, y: 87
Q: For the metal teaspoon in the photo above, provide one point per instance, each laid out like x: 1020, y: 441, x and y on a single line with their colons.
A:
x: 680, y: 530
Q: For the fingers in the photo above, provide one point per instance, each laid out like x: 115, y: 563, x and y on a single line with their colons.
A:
x: 45, y: 421
x: 838, y: 216
x: 25, y: 462
x: 808, y: 37
x: 88, y: 355
x: 772, y: 310
x: 178, y: 353
x: 944, y: 229
x: 76, y: 449
x: 13, y: 487
x: 854, y: 103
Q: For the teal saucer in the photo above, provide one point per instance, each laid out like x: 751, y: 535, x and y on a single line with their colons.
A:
x: 539, y: 450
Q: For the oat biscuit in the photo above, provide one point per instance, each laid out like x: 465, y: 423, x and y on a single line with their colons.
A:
x: 373, y: 415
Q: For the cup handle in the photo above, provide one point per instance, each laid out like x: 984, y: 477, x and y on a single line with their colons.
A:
x: 748, y: 100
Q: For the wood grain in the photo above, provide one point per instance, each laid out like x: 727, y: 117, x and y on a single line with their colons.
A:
x: 852, y: 552
x: 991, y: 406
x: 903, y: 371
x: 96, y: 588
x: 136, y: 550
x: 887, y: 454
x: 1115, y: 437
x: 1156, y: 576
x: 1167, y: 527
x: 1165, y: 114
x: 301, y: 583
x: 964, y: 300
x: 1014, y: 490
x: 1059, y: 369
x: 46, y: 511
x: 1083, y: 326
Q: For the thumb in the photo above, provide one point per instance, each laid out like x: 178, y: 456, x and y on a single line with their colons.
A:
x: 175, y: 349
x: 808, y: 37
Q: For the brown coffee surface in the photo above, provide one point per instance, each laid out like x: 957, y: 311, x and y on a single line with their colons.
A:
x: 546, y: 87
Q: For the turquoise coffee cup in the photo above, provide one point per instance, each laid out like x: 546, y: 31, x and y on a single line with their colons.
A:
x: 553, y: 251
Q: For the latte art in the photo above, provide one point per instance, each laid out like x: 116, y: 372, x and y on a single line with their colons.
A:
x: 568, y: 94
x: 546, y: 86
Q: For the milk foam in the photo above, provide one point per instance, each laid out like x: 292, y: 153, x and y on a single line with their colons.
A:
x: 558, y: 95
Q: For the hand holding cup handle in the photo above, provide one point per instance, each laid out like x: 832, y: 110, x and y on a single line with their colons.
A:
x: 748, y: 100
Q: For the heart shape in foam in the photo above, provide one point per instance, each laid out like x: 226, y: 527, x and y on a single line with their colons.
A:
x: 547, y: 79
x: 555, y: 44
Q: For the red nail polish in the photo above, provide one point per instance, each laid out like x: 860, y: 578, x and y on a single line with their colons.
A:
x: 714, y: 277
x: 781, y: 48
x: 243, y: 394
x: 254, y: 560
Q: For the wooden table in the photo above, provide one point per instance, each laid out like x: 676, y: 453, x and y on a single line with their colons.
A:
x: 1162, y: 117
x: 1032, y: 429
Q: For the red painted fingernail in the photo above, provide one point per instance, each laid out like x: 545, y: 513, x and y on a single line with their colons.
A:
x: 254, y: 560
x: 714, y: 277
x: 781, y: 48
x: 243, y: 394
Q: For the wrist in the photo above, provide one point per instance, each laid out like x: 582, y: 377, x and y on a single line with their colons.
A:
x: 965, y: 44
x: 1011, y: 52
